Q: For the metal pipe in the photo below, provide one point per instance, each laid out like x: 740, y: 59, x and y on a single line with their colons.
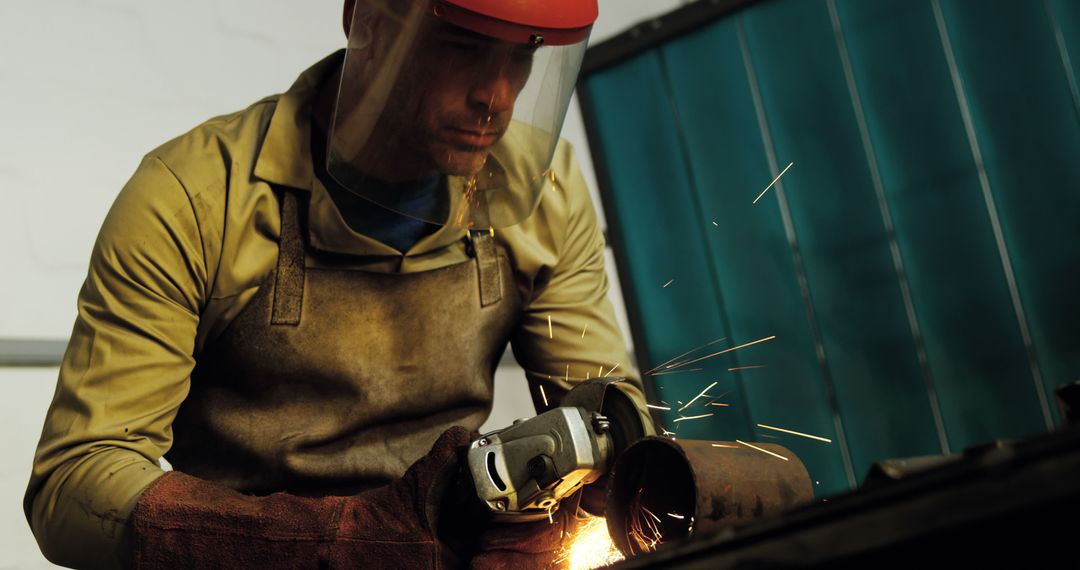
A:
x: 664, y: 490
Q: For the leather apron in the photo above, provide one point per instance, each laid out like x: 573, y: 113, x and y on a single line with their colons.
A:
x: 334, y: 379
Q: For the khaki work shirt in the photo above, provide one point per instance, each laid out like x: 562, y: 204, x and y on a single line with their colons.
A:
x: 184, y: 248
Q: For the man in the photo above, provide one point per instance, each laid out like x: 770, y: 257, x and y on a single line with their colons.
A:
x: 294, y: 302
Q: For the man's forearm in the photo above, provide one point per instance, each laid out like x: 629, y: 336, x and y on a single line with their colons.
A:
x: 81, y: 512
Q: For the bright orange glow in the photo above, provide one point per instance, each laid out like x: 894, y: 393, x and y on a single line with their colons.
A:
x: 590, y: 547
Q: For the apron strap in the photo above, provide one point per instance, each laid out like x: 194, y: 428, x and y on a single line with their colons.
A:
x: 289, y: 280
x: 487, y: 267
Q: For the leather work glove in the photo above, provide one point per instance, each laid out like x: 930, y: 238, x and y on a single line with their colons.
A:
x: 527, y: 546
x: 185, y: 522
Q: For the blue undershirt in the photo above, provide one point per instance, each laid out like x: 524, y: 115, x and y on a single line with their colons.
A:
x: 398, y: 222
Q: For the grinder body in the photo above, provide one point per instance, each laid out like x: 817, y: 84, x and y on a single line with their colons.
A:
x: 520, y: 473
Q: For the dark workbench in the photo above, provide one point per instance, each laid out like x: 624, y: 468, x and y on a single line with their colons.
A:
x: 1007, y: 504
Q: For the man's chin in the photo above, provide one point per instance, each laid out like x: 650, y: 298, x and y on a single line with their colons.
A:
x: 462, y: 162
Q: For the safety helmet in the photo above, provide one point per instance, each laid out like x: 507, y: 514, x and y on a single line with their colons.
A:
x: 472, y: 91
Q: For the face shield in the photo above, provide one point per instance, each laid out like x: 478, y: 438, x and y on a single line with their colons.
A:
x: 471, y: 91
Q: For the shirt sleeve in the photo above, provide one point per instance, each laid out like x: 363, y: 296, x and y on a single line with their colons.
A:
x: 124, y: 374
x: 569, y: 332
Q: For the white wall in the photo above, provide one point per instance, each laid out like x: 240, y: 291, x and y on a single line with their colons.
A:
x: 86, y: 88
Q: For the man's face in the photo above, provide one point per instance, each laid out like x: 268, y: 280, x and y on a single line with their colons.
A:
x: 455, y: 98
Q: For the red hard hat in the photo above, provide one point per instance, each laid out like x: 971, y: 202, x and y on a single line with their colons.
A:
x: 551, y: 22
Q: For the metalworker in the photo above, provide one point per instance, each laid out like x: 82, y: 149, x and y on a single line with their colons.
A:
x: 292, y: 302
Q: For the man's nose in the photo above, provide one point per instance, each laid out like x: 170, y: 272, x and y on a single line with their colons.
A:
x: 493, y: 92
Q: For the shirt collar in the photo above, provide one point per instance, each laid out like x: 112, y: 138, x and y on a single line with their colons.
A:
x: 285, y: 159
x: 285, y: 155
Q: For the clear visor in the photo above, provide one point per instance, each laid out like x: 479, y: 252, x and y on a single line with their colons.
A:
x: 421, y: 97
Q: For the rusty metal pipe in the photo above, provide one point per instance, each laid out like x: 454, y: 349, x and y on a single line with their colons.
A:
x: 710, y: 487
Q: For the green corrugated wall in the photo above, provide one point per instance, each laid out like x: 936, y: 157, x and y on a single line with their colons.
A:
x: 918, y: 264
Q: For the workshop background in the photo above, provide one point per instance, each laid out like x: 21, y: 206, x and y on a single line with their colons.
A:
x: 917, y: 263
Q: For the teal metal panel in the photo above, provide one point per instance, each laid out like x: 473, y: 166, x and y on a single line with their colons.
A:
x: 1065, y: 21
x: 750, y: 251
x: 866, y: 335
x: 1008, y: 56
x: 973, y: 344
x: 915, y: 264
x: 658, y: 223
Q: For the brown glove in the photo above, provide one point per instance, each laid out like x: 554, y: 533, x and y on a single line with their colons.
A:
x: 527, y: 546
x: 185, y: 522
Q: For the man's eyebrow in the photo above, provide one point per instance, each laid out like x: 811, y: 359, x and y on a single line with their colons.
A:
x: 455, y: 32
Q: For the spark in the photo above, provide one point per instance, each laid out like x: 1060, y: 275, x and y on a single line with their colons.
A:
x: 747, y: 367
x: 719, y: 404
x: 715, y: 224
x: 675, y: 516
x: 718, y: 397
x: 668, y: 283
x: 665, y: 408
x: 761, y: 450
x: 600, y: 372
x: 642, y: 530
x: 698, y: 396
x: 610, y: 371
x: 773, y: 182
x: 550, y: 519
x: 468, y: 202
x: 587, y: 375
x: 568, y: 373
x: 692, y: 417
x: 544, y: 395
x: 726, y: 350
x: 677, y: 364
x: 725, y: 446
x: 795, y: 433
x: 492, y: 230
x: 550, y: 333
x: 676, y: 372
x: 669, y: 361
x: 584, y: 329
x: 589, y: 547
